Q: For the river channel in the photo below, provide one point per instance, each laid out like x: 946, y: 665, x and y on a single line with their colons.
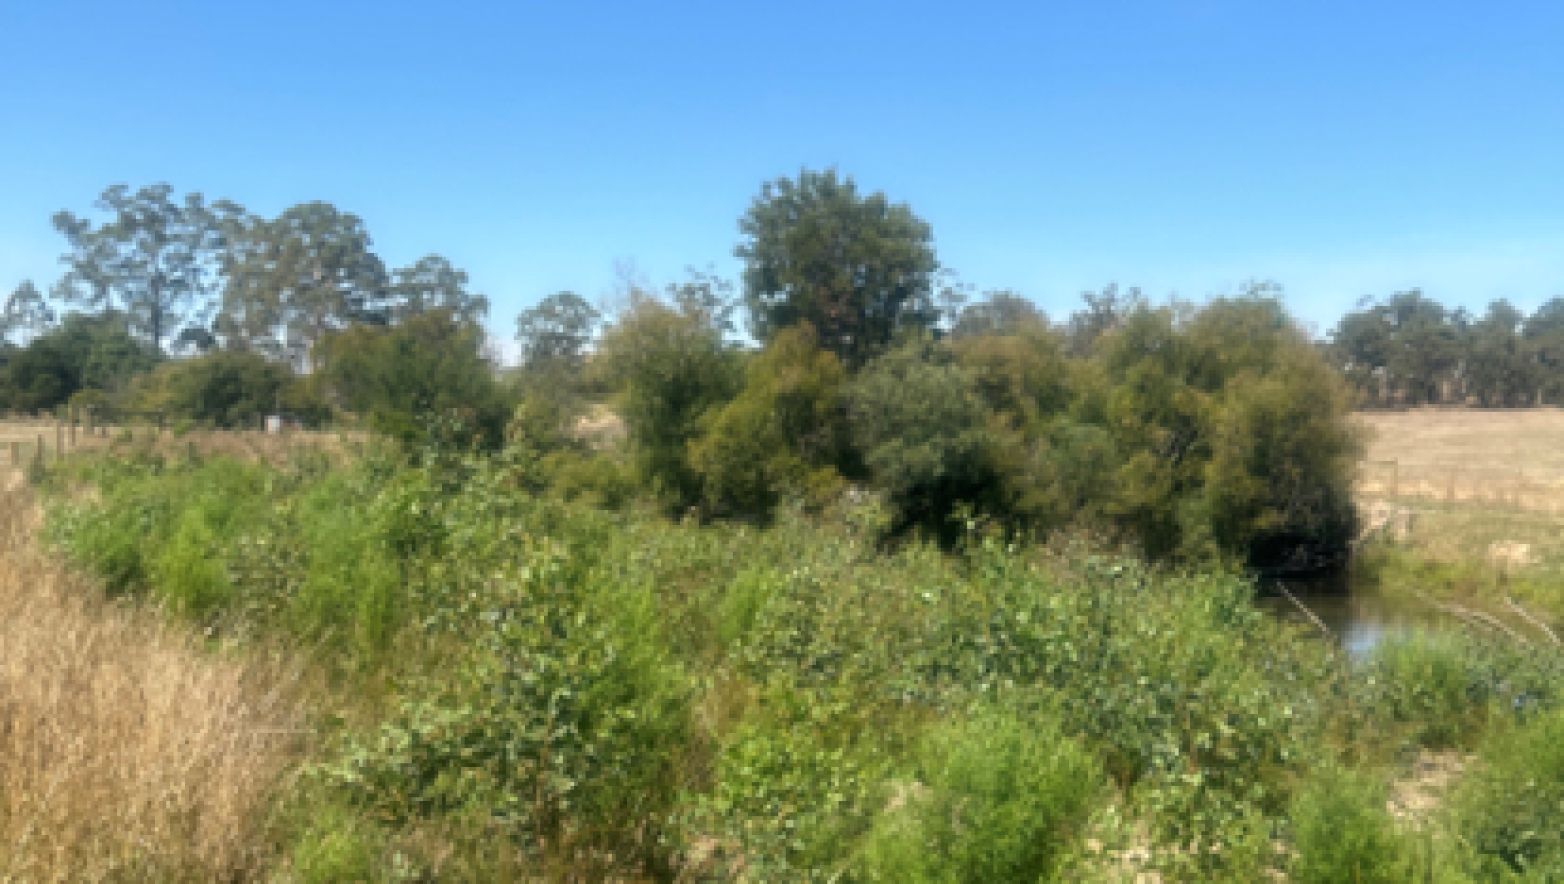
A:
x: 1359, y: 619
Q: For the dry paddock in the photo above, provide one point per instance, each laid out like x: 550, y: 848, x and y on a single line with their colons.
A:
x: 1510, y: 458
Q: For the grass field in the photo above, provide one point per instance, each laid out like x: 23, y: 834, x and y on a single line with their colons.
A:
x: 1479, y: 497
x: 1510, y: 457
x: 20, y: 441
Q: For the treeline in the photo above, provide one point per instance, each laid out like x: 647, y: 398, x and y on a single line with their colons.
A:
x: 1190, y: 432
x: 211, y: 314
x: 1410, y: 350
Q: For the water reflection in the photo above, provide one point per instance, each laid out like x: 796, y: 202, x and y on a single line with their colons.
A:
x: 1357, y: 619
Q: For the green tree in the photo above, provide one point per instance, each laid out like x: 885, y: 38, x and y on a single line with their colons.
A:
x: 1103, y: 312
x: 1409, y: 347
x: 670, y: 367
x: 153, y: 262
x: 296, y: 278
x: 225, y: 389
x: 923, y: 432
x: 424, y: 381
x: 433, y: 284
x: 86, y: 351
x: 1232, y: 433
x: 1544, y: 341
x: 558, y: 329
x: 25, y: 311
x: 783, y: 435
x: 858, y: 268
x: 999, y: 313
x: 1498, y: 368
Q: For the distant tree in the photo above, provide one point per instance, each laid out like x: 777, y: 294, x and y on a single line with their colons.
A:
x: 26, y: 311
x: 433, y: 284
x: 224, y: 389
x: 557, y: 330
x: 670, y: 367
x: 706, y: 293
x: 999, y: 313
x: 1498, y: 369
x: 1544, y: 340
x: 154, y: 262
x: 857, y: 268
x: 1103, y: 312
x: 1407, y: 346
x: 294, y: 279
x: 86, y: 351
x: 423, y: 381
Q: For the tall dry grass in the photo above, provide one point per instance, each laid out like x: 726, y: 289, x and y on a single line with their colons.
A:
x: 127, y: 751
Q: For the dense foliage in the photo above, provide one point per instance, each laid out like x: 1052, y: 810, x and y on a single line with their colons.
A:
x: 1411, y: 350
x: 562, y: 688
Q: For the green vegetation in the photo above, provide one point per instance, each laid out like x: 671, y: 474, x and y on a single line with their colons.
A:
x: 1411, y: 350
x: 906, y: 594
x: 520, y: 682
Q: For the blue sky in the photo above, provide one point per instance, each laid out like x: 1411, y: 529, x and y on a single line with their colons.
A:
x: 1340, y: 149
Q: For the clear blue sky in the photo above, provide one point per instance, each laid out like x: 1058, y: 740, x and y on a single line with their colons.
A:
x: 1341, y: 149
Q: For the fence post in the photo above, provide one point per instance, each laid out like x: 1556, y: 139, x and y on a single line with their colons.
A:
x: 1395, y: 477
x: 38, y: 455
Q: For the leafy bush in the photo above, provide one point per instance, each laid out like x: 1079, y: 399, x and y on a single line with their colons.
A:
x: 1341, y: 831
x: 782, y: 436
x: 669, y: 367
x: 1442, y: 689
x: 565, y: 725
x: 1508, y: 809
x: 224, y: 389
x: 997, y: 797
x: 922, y: 431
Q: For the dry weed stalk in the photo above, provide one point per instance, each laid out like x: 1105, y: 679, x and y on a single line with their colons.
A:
x: 127, y: 752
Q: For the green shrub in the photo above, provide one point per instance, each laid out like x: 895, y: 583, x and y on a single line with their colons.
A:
x: 923, y: 431
x: 796, y: 784
x: 1425, y: 683
x: 186, y: 569
x: 1442, y: 689
x: 997, y: 797
x: 566, y: 725
x: 1341, y: 831
x: 338, y: 847
x: 1509, y: 809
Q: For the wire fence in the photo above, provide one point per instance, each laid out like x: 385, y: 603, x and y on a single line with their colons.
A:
x: 1508, y: 487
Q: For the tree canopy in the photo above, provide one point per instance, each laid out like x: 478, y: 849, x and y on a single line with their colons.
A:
x: 858, y: 268
x: 153, y: 262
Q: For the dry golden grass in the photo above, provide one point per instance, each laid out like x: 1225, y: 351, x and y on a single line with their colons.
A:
x: 127, y: 751
x: 1510, y: 458
x: 20, y: 439
x: 1476, y: 490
